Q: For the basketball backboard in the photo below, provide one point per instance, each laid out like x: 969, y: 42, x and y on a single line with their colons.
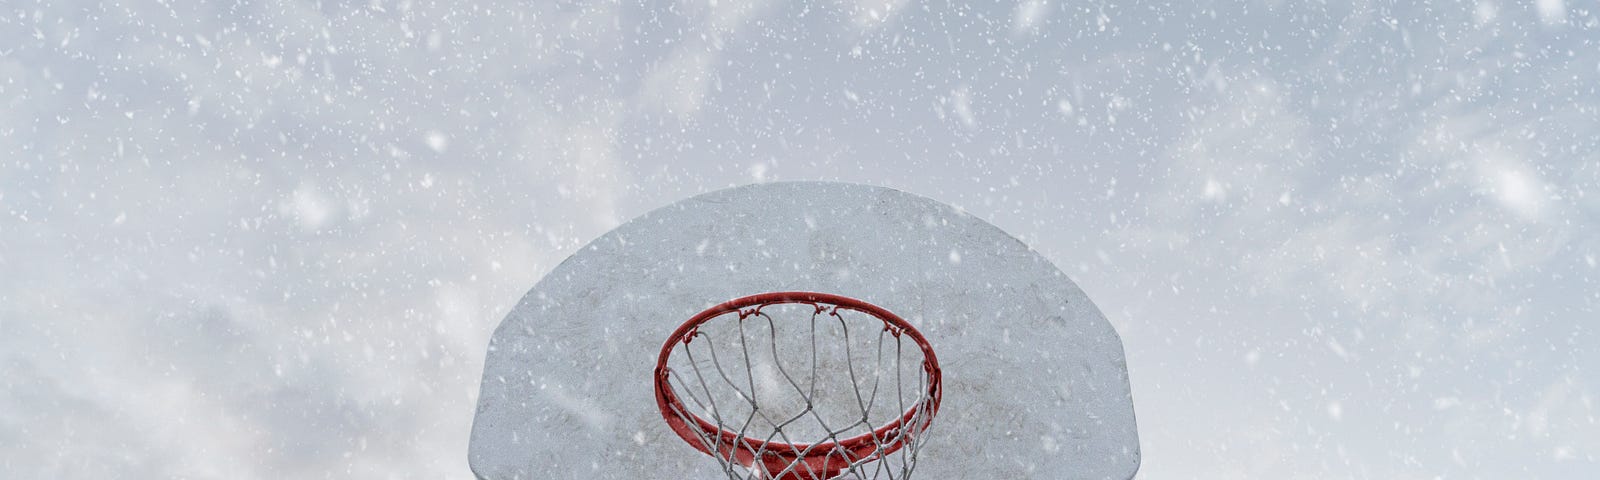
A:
x: 1034, y: 383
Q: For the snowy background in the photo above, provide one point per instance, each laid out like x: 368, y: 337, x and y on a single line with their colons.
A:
x: 270, y: 239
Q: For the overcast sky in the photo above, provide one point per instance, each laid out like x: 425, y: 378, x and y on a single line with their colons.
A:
x: 270, y: 239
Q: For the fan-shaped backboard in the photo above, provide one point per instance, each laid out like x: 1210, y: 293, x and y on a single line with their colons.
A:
x: 1035, y: 385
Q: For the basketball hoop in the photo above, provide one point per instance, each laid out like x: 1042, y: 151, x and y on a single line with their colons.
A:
x: 832, y: 435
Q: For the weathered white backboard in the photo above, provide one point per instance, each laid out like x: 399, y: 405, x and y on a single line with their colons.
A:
x: 1035, y: 385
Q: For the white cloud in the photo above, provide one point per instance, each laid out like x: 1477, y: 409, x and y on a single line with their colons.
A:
x: 1486, y: 12
x: 1516, y: 187
x: 678, y: 85
x: 869, y: 14
x: 1028, y: 15
x: 1552, y: 12
x: 310, y: 207
x: 961, y: 103
x: 438, y: 141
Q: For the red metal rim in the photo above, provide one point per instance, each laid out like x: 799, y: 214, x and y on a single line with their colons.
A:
x: 860, y: 447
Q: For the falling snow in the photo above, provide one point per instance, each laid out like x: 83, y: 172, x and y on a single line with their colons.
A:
x: 272, y: 239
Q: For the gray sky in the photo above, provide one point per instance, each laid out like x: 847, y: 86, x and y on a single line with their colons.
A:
x: 267, y: 239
